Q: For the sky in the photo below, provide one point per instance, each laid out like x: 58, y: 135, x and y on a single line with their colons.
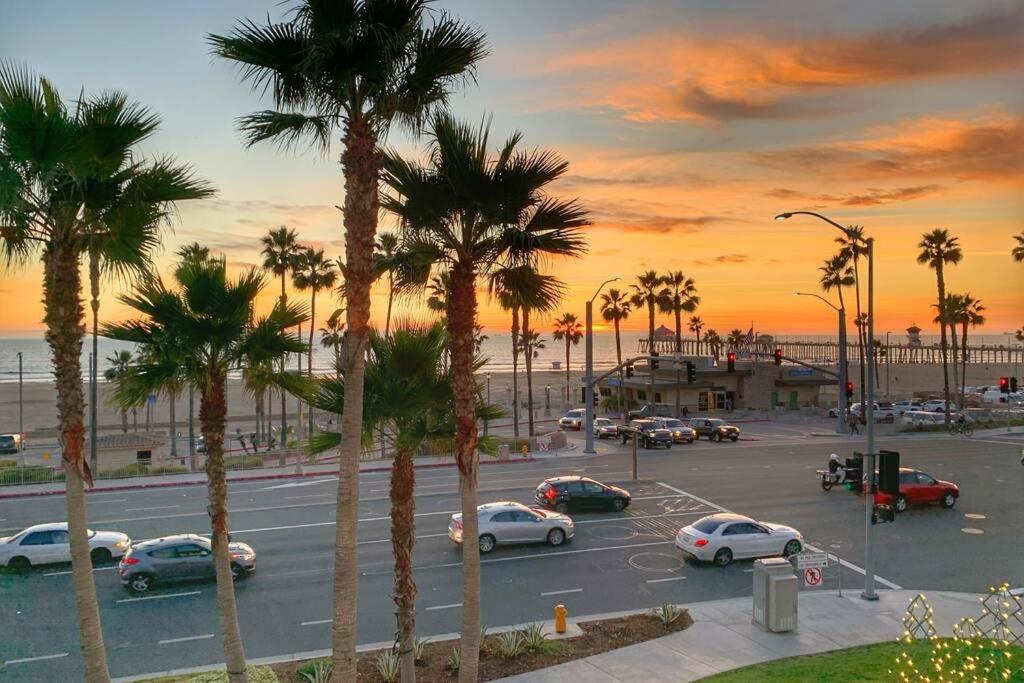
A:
x: 687, y: 125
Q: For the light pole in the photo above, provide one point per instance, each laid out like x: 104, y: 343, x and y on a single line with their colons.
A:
x: 888, y: 355
x: 588, y: 387
x: 21, y: 410
x: 869, y: 410
x: 841, y: 425
x: 488, y: 422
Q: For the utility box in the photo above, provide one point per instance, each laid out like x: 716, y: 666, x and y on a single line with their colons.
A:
x: 775, y: 594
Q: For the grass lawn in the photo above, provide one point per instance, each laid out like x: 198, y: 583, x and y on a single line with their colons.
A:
x: 868, y: 663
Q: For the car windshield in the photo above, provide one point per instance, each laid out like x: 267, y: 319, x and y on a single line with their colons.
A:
x: 708, y: 525
x: 574, y: 413
x: 715, y: 423
x: 672, y: 423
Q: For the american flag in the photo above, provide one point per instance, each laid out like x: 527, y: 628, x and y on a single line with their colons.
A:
x: 750, y: 336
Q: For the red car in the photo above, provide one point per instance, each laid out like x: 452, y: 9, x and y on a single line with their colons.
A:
x: 918, y: 487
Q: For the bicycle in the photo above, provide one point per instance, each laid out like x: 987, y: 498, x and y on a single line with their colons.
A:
x: 957, y: 428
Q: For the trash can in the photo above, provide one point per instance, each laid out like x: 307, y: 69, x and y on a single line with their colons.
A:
x: 775, y: 594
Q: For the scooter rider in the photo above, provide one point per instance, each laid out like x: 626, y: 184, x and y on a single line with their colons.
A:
x: 834, y: 468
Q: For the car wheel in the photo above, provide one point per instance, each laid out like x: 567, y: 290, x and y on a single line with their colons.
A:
x: 562, y: 507
x: 556, y: 537
x: 667, y: 446
x: 901, y: 504
x: 19, y: 564
x: 486, y: 543
x: 696, y: 436
x: 889, y: 419
x: 827, y: 483
x: 100, y: 556
x: 792, y: 548
x: 735, y: 439
x: 237, y: 572
x: 140, y: 583
x: 618, y: 504
x: 723, y: 558
x: 948, y: 500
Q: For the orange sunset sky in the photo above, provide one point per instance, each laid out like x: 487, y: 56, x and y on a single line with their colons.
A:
x: 687, y: 126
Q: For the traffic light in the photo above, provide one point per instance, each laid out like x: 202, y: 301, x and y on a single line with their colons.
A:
x: 1004, y: 385
x: 849, y: 390
x: 629, y: 370
x: 1013, y: 384
x: 889, y: 472
x: 731, y: 360
x: 691, y: 372
x: 778, y: 356
x: 654, y: 360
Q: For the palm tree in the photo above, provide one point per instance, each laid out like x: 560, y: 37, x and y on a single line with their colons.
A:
x: 836, y: 274
x: 615, y: 308
x: 314, y: 272
x: 696, y: 325
x: 649, y: 291
x: 969, y: 314
x: 512, y: 221
x: 387, y: 259
x: 66, y: 186
x: 939, y: 248
x: 569, y: 330
x: 356, y: 66
x: 117, y: 368
x: 1018, y: 248
x: 681, y: 296
x: 736, y: 338
x: 209, y: 317
x: 852, y: 246
x: 194, y: 252
x: 714, y: 343
x: 332, y: 334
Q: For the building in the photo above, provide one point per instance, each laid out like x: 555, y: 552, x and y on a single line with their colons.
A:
x: 753, y: 384
x: 131, y: 448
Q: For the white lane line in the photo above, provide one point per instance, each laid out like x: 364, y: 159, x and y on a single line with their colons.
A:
x: 331, y: 523
x: 184, y: 640
x: 95, y: 569
x: 637, y: 517
x: 671, y: 578
x: 311, y: 495
x: 26, y: 660
x: 158, y: 597
x: 451, y: 606
x: 115, y: 500
x: 672, y: 495
x: 316, y: 623
x: 490, y: 482
x: 568, y: 590
x: 159, y: 507
x: 388, y: 540
x: 848, y: 565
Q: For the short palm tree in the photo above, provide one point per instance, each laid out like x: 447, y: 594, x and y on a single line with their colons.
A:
x: 1018, y: 248
x: 118, y: 365
x: 714, y: 342
x: 836, y: 274
x: 615, y: 307
x: 681, y: 297
x: 696, y: 325
x: 68, y: 184
x: 387, y: 261
x: 332, y: 334
x: 649, y: 292
x: 852, y: 246
x: 969, y: 313
x: 569, y: 330
x: 314, y: 272
x: 736, y: 338
x: 939, y: 248
x: 208, y: 317
x: 466, y: 212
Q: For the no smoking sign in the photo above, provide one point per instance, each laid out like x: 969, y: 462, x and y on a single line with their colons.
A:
x: 812, y: 576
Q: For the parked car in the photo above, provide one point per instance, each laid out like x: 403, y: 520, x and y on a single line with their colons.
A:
x: 183, y: 557
x: 936, y: 405
x: 922, y: 417
x: 573, y: 419
x: 603, y: 427
x: 10, y: 444
x: 724, y: 537
x: 649, y: 434
x: 884, y: 412
x: 644, y: 412
x: 508, y: 522
x: 48, y: 544
x: 916, y: 487
x: 906, y: 405
x: 680, y: 432
x: 571, y: 493
x: 714, y: 429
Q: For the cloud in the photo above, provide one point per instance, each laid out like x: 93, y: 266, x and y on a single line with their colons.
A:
x: 697, y: 100
x: 870, y: 197
x: 783, y: 193
x: 621, y: 217
x: 724, y: 259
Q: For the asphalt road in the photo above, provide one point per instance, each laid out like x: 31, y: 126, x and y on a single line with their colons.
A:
x: 616, y: 562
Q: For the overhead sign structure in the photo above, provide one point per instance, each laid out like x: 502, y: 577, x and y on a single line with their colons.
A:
x: 811, y: 560
x: 812, y: 577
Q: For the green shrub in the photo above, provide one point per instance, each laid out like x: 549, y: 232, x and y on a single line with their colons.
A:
x: 667, y: 613
x: 418, y: 647
x: 317, y: 671
x: 309, y: 667
x: 387, y: 666
x: 243, y: 462
x: 255, y: 674
x: 511, y: 645
x: 11, y: 476
x: 454, y: 660
x: 533, y: 636
x: 8, y: 463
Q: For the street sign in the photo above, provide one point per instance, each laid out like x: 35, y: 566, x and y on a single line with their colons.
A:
x: 812, y: 576
x: 800, y: 372
x: 151, y: 399
x: 811, y: 560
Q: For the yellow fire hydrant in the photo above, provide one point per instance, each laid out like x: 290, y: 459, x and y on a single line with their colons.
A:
x: 560, y: 614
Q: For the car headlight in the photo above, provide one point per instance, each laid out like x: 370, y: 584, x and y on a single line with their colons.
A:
x: 122, y: 544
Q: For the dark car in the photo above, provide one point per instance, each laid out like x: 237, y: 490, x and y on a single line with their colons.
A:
x: 184, y: 557
x: 650, y: 434
x: 713, y: 429
x: 576, y: 493
x: 644, y: 412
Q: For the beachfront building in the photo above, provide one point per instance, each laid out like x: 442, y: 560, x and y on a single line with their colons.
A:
x: 132, y: 448
x: 753, y: 384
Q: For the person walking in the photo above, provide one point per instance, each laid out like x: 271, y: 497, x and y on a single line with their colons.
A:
x: 854, y: 422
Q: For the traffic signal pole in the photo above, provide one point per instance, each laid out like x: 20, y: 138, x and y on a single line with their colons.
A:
x: 869, y: 413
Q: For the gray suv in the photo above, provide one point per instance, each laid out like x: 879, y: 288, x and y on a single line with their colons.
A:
x: 185, y: 557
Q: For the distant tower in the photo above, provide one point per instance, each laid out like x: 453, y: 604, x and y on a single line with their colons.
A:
x: 914, y: 342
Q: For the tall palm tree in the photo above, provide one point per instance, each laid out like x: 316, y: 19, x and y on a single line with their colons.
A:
x: 117, y: 368
x: 194, y: 252
x: 358, y: 66
x: 852, y: 245
x: 209, y: 317
x: 649, y: 291
x: 696, y: 325
x: 387, y: 260
x: 467, y: 212
x: 714, y: 342
x: 332, y: 334
x: 836, y: 274
x: 969, y: 313
x: 681, y: 297
x: 569, y: 330
x: 1018, y: 248
x: 314, y: 272
x: 615, y: 307
x: 939, y: 248
x: 68, y: 184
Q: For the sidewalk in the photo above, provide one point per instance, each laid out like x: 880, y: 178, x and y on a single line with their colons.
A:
x: 723, y: 637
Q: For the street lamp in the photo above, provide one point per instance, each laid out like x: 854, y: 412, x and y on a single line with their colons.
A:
x: 21, y: 410
x: 841, y: 425
x: 487, y: 422
x: 888, y: 356
x: 869, y: 409
x: 588, y: 387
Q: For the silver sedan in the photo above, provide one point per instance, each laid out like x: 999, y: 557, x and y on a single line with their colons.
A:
x: 724, y: 537
x: 509, y: 522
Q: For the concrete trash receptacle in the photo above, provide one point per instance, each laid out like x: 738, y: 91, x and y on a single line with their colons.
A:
x: 775, y: 595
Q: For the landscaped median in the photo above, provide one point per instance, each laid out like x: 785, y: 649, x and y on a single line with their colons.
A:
x: 504, y: 652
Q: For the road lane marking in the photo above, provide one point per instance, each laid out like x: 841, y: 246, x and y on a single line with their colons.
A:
x: 568, y: 590
x: 311, y: 495
x: 639, y: 517
x: 184, y: 640
x: 26, y: 660
x: 671, y: 578
x: 331, y: 523
x: 451, y: 606
x: 95, y: 569
x: 297, y: 484
x: 490, y: 482
x: 388, y: 540
x: 158, y: 597
x: 316, y: 623
x: 116, y: 500
x: 696, y: 498
x: 159, y: 507
x: 671, y: 495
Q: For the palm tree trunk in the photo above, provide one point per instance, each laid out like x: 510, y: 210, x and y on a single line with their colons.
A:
x: 124, y: 420
x: 300, y: 424
x: 461, y: 310
x: 391, y: 300
x: 940, y: 279
x: 191, y: 428
x: 361, y: 163
x: 618, y: 361
x: 679, y: 328
x: 650, y: 328
x: 94, y: 287
x: 213, y: 420
x: 963, y: 353
x: 283, y: 445
x: 135, y: 418
x: 515, y: 371
x: 309, y: 361
x: 403, y: 537
x: 954, y: 344
x: 64, y: 330
x: 528, y: 357
x: 568, y: 378
x: 172, y: 396
x: 697, y: 333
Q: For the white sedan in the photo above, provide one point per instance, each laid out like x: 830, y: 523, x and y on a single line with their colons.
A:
x: 48, y: 544
x: 724, y: 537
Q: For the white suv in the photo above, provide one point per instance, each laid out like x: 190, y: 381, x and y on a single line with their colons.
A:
x: 573, y: 419
x: 883, y: 412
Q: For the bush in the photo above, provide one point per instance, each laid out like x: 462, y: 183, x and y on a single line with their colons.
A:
x: 317, y: 671
x: 255, y: 674
x: 514, y: 444
x: 454, y: 660
x: 11, y: 476
x: 511, y: 645
x: 667, y: 613
x: 8, y: 463
x: 387, y: 666
x: 418, y: 647
x: 533, y: 636
x: 243, y: 462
